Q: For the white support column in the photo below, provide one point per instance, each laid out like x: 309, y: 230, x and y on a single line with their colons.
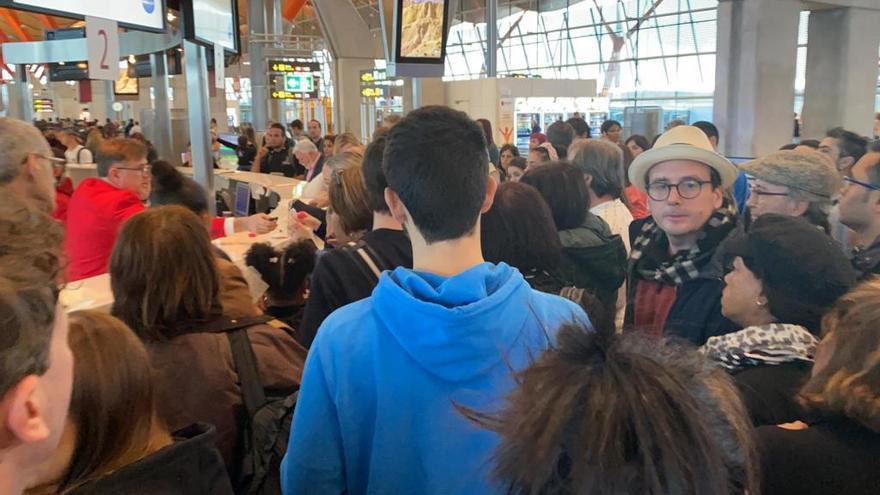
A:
x: 347, y: 89
x: 754, y: 74
x: 841, y: 71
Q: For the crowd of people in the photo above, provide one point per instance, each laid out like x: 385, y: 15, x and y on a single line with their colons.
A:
x: 605, y: 315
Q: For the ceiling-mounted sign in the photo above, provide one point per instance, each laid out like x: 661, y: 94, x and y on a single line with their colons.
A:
x: 102, y: 37
x: 284, y: 66
x: 299, y: 82
x: 43, y: 105
x: 139, y: 14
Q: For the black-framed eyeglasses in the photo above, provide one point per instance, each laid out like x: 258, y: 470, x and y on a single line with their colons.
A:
x: 686, y: 189
x: 145, y: 170
x: 849, y: 180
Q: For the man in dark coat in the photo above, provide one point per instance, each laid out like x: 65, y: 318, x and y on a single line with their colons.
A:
x: 674, y: 276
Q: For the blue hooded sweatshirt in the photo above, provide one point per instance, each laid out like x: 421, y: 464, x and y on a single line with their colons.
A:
x: 376, y: 412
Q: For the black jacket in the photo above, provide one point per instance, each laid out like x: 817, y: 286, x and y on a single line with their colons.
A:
x: 279, y: 160
x: 769, y: 391
x: 341, y: 277
x: 834, y: 457
x: 696, y: 313
x: 594, y: 259
x: 189, y: 466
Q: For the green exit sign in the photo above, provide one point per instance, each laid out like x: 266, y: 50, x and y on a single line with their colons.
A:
x: 299, y: 82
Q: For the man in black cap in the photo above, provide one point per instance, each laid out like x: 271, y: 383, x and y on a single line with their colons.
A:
x: 860, y: 211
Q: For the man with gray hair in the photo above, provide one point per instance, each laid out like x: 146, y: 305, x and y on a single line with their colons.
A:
x: 601, y: 162
x: 26, y: 164
x: 793, y: 183
x: 308, y: 156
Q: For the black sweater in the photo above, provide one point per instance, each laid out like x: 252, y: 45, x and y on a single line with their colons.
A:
x: 769, y: 390
x: 341, y: 277
x: 836, y: 457
x: 190, y: 466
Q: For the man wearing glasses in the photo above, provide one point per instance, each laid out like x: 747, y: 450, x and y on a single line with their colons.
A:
x: 99, y: 206
x: 794, y: 184
x: 860, y: 210
x: 674, y: 281
x: 26, y: 164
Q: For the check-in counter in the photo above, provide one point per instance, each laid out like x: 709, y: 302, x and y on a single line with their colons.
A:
x: 95, y: 292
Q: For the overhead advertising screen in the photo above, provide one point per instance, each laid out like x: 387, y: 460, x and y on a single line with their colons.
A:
x: 126, y: 84
x: 213, y: 22
x: 140, y: 14
x: 421, y: 30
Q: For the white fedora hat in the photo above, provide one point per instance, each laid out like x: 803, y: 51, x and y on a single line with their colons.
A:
x: 684, y: 142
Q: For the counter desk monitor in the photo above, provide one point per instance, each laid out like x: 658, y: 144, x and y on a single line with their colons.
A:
x: 242, y: 199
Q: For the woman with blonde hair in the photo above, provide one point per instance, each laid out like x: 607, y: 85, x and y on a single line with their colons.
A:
x: 93, y: 140
x: 349, y: 216
x: 837, y: 450
x: 347, y: 142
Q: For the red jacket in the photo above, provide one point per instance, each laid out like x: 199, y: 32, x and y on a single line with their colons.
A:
x: 95, y: 214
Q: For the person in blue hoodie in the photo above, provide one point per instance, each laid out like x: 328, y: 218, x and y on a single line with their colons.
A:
x: 387, y: 377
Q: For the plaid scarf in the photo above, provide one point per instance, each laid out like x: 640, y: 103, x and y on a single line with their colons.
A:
x: 650, y: 250
x: 776, y: 343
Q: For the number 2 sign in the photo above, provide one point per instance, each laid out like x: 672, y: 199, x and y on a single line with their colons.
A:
x: 103, y: 43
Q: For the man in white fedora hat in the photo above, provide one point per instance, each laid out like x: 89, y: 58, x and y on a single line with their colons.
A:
x: 674, y: 280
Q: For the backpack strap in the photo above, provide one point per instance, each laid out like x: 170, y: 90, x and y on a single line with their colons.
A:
x: 78, y: 153
x: 246, y: 365
x: 369, y: 258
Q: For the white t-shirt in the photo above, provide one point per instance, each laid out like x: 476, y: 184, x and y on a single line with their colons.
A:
x: 85, y: 156
x: 135, y: 128
x: 617, y: 216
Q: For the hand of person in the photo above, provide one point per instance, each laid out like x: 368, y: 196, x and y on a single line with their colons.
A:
x: 260, y: 223
x: 301, y: 225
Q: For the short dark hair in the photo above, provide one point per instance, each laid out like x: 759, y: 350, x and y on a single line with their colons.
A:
x: 296, y: 124
x: 580, y: 126
x: 374, y: 177
x: 563, y: 187
x: 708, y: 129
x: 285, y: 271
x: 170, y: 187
x: 560, y: 136
x: 436, y: 162
x: 519, y: 229
x: 789, y: 146
x: 812, y: 143
x: 849, y: 143
x: 518, y: 161
x: 511, y: 148
x: 608, y: 124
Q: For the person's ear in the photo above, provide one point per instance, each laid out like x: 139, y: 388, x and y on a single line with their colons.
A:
x: 846, y: 163
x: 491, y: 189
x: 588, y: 179
x: 23, y: 413
x: 717, y: 197
x: 398, y: 210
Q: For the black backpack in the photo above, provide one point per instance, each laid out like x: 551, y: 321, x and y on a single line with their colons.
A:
x: 268, y: 425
